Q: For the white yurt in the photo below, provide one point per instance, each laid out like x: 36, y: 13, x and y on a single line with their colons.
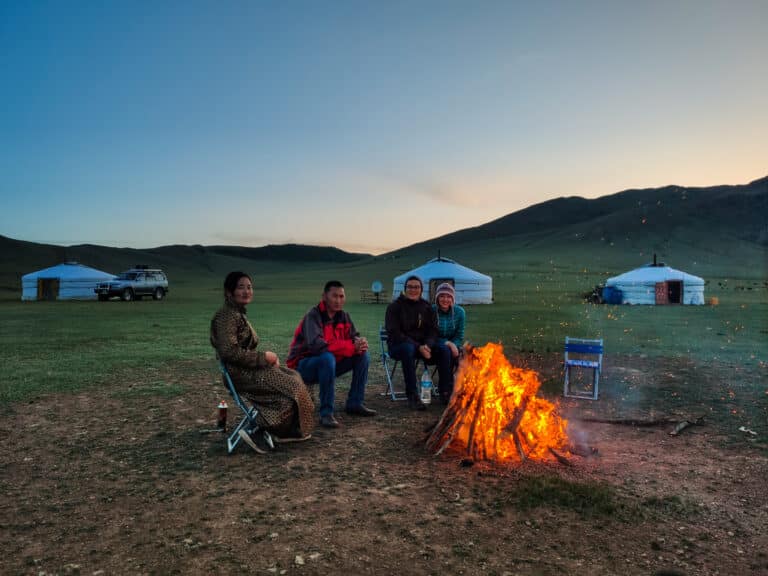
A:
x: 654, y: 284
x: 67, y: 281
x: 471, y: 287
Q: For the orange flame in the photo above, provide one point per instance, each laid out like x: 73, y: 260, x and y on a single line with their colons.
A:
x: 499, y: 416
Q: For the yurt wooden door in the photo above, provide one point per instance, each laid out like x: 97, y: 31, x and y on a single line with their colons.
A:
x: 669, y: 292
x: 47, y: 288
x: 662, y: 294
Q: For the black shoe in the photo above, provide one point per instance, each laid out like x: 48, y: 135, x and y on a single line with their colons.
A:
x: 360, y: 411
x: 328, y: 421
x: 415, y: 403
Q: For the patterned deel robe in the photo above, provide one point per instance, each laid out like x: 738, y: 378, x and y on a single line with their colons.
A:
x: 285, y: 405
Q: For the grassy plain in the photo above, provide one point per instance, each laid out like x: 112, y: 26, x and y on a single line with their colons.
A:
x: 65, y: 346
x: 104, y: 404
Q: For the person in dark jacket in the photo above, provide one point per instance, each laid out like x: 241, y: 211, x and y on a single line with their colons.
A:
x: 325, y: 345
x: 412, y: 334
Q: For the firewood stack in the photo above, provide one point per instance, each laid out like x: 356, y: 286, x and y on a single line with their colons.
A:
x: 494, y: 413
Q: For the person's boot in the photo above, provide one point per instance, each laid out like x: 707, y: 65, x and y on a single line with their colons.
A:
x: 415, y: 403
x: 328, y: 421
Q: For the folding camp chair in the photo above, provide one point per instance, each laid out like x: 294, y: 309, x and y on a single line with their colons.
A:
x: 248, y: 421
x: 583, y: 353
x: 390, y: 365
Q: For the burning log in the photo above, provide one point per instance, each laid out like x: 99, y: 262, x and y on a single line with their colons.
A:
x: 679, y: 425
x: 473, y: 424
x: 679, y: 428
x: 631, y: 421
x: 494, y: 413
x: 639, y: 422
x: 519, y: 446
x: 684, y: 424
x: 560, y: 458
x: 583, y: 450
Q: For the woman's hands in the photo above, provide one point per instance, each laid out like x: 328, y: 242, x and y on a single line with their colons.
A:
x: 452, y: 347
x: 272, y: 358
x: 425, y: 351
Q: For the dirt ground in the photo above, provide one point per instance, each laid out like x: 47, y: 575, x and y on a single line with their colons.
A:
x: 115, y: 481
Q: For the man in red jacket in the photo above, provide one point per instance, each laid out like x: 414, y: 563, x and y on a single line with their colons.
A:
x: 326, y: 345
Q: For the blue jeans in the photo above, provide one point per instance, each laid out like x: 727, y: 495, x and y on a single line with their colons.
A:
x: 324, y: 369
x: 408, y: 354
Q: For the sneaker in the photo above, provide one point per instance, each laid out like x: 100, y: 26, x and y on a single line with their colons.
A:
x: 328, y: 421
x: 260, y: 440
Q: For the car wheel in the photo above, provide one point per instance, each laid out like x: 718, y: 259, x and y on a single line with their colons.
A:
x: 158, y: 294
x: 103, y: 297
x: 127, y: 295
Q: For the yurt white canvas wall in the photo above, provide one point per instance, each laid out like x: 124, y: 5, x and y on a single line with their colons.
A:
x: 471, y: 287
x: 657, y: 284
x: 68, y: 281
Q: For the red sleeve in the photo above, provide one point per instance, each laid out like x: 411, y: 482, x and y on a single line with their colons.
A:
x: 341, y: 348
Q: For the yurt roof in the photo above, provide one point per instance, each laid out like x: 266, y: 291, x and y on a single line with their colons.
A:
x: 651, y: 273
x: 69, y: 270
x: 443, y: 268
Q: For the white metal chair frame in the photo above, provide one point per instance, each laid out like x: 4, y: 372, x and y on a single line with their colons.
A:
x: 590, y: 355
x: 248, y: 421
x: 388, y: 361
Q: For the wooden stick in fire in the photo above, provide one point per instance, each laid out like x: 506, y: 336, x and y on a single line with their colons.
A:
x: 519, y: 445
x: 446, y: 443
x: 451, y: 417
x: 475, y: 419
x: 518, y: 417
x: 560, y: 458
x: 447, y: 431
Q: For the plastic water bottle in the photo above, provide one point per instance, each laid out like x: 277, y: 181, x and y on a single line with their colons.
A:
x: 426, y: 387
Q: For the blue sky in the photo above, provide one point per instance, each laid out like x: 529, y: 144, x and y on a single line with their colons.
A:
x: 364, y: 125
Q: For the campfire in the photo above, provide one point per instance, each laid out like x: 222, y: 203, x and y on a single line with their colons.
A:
x: 494, y: 413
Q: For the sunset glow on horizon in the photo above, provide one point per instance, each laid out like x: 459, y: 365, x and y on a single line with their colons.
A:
x: 367, y: 126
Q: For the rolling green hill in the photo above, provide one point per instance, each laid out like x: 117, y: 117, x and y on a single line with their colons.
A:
x: 18, y: 258
x: 721, y: 229
x: 734, y: 210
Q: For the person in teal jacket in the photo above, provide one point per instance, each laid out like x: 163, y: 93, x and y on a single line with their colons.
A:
x: 451, y: 319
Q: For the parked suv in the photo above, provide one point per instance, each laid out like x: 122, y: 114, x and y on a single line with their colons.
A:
x: 134, y: 284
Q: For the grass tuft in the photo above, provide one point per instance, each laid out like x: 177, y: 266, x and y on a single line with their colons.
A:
x: 586, y: 499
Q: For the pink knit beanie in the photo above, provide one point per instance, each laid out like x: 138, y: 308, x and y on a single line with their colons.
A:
x: 445, y: 288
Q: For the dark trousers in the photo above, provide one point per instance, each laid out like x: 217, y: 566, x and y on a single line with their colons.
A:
x: 324, y: 369
x: 408, y: 355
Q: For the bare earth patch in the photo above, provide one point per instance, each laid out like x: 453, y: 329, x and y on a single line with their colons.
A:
x: 122, y: 481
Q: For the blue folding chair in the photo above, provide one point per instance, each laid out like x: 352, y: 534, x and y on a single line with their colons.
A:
x: 583, y: 353
x: 248, y: 421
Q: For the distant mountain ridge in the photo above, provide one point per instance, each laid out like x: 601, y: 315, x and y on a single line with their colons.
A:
x: 740, y: 211
x: 721, y: 221
x: 18, y: 257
